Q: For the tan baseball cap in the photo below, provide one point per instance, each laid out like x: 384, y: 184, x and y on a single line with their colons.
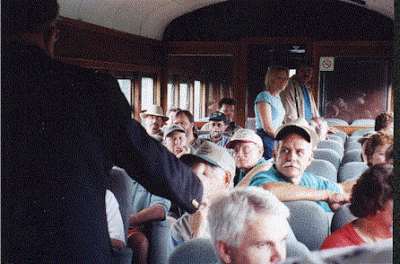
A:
x: 301, y: 127
x: 154, y: 110
x: 214, y: 155
x: 246, y: 135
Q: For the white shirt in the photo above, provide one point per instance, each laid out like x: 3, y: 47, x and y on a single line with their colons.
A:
x: 114, y: 219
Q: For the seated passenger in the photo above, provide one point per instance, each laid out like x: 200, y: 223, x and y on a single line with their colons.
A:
x: 372, y: 203
x: 384, y: 122
x: 145, y: 209
x: 226, y: 106
x: 154, y: 119
x: 215, y: 168
x: 185, y: 119
x: 376, y: 146
x: 114, y: 222
x: 287, y: 179
x: 247, y: 150
x: 171, y: 115
x: 249, y: 226
x: 217, y: 125
x: 175, y: 140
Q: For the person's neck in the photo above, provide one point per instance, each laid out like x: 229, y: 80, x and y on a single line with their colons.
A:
x: 274, y: 93
x: 288, y: 179
x: 191, y: 138
x: 372, y: 229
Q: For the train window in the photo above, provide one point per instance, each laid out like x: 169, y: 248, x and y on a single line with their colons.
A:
x: 170, y: 95
x: 197, y: 100
x: 147, y: 94
x: 354, y: 88
x: 184, y: 95
x: 126, y: 88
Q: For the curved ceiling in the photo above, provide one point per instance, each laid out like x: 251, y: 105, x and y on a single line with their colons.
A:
x: 149, y: 18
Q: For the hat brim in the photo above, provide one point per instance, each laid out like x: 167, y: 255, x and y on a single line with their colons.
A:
x: 185, y: 158
x: 307, y: 133
x: 164, y: 118
x: 231, y: 143
x: 169, y: 132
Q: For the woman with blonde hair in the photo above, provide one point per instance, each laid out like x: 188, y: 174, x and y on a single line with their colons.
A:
x: 268, y: 107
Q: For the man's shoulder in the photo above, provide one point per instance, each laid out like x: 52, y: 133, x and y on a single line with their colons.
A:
x: 270, y: 175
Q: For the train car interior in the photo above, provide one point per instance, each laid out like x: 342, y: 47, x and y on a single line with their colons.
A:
x: 192, y: 53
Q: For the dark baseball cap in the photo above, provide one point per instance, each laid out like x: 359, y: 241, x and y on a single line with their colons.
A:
x: 217, y: 116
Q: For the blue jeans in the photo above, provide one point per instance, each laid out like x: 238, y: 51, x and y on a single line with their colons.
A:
x: 268, y: 143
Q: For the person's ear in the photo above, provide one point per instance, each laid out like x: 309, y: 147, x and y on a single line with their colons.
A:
x: 224, y: 252
x: 274, y: 154
x: 311, y: 158
x: 228, y: 179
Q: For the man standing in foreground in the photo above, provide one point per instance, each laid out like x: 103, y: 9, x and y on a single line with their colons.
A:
x: 63, y: 128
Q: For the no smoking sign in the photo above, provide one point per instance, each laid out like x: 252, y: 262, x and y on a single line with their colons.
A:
x: 326, y: 63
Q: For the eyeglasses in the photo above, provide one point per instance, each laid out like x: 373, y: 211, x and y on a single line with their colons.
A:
x: 245, y: 150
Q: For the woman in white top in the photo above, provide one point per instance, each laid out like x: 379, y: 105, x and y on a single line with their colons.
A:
x: 268, y: 107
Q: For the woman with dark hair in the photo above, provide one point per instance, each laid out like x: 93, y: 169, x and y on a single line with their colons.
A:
x: 268, y: 107
x: 375, y: 147
x: 372, y: 203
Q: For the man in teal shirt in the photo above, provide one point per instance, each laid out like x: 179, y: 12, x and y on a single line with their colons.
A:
x: 287, y: 180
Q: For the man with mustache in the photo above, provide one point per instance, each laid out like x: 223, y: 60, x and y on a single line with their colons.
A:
x: 154, y: 119
x: 288, y: 181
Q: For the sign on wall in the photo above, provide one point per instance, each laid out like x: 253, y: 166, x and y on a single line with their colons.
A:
x: 326, y: 63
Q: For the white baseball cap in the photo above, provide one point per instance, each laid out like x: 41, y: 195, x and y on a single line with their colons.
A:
x: 246, y: 135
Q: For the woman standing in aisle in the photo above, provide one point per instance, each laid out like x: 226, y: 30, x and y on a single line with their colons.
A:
x: 268, y: 107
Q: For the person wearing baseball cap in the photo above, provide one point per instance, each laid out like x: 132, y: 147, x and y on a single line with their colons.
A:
x: 287, y: 178
x: 175, y: 140
x: 247, y: 150
x: 217, y: 125
x: 154, y: 119
x: 215, y: 168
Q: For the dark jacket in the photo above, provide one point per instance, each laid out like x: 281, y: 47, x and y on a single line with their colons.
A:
x: 63, y: 127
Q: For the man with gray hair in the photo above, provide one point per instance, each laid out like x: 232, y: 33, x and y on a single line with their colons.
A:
x: 288, y: 180
x: 248, y: 226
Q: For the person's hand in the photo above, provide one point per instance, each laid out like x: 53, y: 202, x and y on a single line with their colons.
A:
x: 184, y: 150
x: 198, y: 220
x: 332, y: 129
x: 335, y: 200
